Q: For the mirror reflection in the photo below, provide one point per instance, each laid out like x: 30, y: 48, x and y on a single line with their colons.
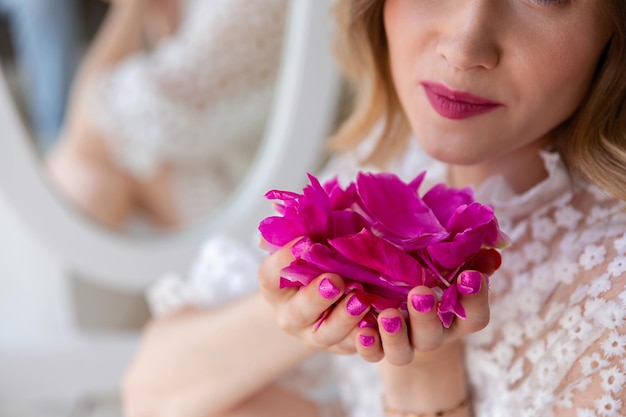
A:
x: 157, y: 124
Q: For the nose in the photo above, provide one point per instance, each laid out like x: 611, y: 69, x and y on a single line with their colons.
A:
x: 469, y: 36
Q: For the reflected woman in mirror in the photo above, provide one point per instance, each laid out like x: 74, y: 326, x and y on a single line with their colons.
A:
x: 523, y: 101
x: 168, y: 108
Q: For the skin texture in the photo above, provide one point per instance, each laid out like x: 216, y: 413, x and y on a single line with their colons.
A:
x: 80, y: 165
x: 537, y: 58
x: 197, y: 363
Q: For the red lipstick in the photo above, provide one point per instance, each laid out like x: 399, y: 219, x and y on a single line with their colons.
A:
x: 456, y: 105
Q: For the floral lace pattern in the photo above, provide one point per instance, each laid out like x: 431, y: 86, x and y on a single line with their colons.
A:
x: 556, y: 345
x: 198, y: 102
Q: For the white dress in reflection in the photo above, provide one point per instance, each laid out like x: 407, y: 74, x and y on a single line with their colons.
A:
x: 198, y: 102
x: 556, y: 343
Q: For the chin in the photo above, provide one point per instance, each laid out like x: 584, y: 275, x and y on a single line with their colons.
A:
x: 453, y: 155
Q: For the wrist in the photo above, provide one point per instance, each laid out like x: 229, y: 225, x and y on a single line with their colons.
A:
x: 431, y: 383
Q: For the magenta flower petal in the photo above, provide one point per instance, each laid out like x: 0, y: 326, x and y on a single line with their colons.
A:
x: 472, y: 226
x: 443, y: 201
x: 281, y: 230
x: 446, y: 318
x: 450, y: 303
x: 416, y: 182
x: 451, y: 255
x: 380, y: 255
x: 472, y: 216
x: 301, y: 272
x: 339, y: 198
x: 287, y: 283
x: 345, y: 222
x: 396, y: 208
x: 330, y: 260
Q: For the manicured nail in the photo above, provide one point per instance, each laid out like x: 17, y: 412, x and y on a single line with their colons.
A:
x: 328, y: 290
x: 469, y: 282
x: 423, y: 303
x: 366, y: 341
x: 355, y: 307
x: 391, y: 324
x: 367, y: 321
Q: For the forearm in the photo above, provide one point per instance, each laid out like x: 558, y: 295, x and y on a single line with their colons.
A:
x: 246, y: 349
x: 203, y: 363
x: 119, y: 35
x: 428, y: 385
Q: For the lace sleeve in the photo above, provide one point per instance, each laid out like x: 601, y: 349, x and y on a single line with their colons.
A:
x: 201, y: 91
x: 556, y: 344
x: 224, y: 270
x: 596, y: 383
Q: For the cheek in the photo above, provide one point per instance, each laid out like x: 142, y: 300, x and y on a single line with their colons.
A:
x: 557, y: 87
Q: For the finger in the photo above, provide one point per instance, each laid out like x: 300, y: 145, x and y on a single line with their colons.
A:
x: 343, y: 318
x: 474, y: 296
x: 394, y: 337
x: 308, y: 304
x: 368, y: 344
x: 269, y: 275
x: 425, y: 329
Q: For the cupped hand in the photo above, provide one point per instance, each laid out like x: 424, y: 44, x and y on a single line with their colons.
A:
x: 319, y: 314
x: 405, y: 338
x: 322, y: 316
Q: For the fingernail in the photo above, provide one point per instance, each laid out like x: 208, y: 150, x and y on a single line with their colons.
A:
x: 469, y: 282
x: 391, y: 324
x: 423, y: 303
x: 328, y: 290
x: 367, y: 321
x: 366, y: 341
x: 355, y: 307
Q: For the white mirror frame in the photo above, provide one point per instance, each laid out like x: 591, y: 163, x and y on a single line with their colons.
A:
x: 302, y: 117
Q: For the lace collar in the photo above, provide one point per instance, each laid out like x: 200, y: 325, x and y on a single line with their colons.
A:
x: 495, y: 191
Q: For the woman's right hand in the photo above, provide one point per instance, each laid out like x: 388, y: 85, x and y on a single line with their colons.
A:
x: 299, y: 310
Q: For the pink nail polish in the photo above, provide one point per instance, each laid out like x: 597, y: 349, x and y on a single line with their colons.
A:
x: 469, y: 282
x: 391, y: 324
x: 356, y: 307
x: 362, y: 324
x: 328, y: 290
x: 366, y: 341
x: 423, y: 303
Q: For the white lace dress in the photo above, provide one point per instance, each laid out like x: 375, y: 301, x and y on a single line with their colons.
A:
x: 198, y: 102
x: 556, y: 344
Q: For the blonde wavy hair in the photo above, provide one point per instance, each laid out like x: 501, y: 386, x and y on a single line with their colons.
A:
x: 592, y: 142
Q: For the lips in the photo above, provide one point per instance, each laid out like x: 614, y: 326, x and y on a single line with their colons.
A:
x: 456, y: 105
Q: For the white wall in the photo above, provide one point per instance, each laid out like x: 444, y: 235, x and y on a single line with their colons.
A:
x: 33, y: 291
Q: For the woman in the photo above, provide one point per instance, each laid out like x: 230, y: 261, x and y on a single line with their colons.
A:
x: 525, y: 101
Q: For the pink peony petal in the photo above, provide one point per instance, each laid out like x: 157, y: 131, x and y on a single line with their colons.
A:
x: 281, y: 230
x: 444, y: 200
x: 396, y: 209
x: 379, y: 255
x: 450, y: 303
x: 287, y: 283
x: 301, y: 272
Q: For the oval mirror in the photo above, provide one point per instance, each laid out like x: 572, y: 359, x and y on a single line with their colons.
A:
x: 300, y: 112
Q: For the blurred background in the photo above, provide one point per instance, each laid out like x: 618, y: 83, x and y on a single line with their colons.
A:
x: 147, y: 125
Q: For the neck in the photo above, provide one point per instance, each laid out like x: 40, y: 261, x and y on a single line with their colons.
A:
x: 522, y: 169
